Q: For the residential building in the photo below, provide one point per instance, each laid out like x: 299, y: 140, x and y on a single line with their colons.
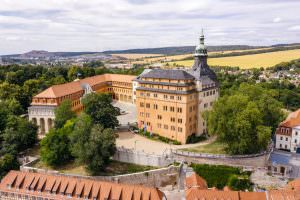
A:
x: 18, y: 185
x: 41, y: 111
x: 288, y: 133
x: 285, y: 164
x: 171, y: 102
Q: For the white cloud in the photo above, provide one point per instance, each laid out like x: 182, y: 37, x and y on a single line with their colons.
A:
x: 294, y: 28
x: 277, y: 19
x: 97, y: 25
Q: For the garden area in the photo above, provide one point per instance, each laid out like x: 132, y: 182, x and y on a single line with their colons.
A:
x: 220, y: 176
x: 112, y: 169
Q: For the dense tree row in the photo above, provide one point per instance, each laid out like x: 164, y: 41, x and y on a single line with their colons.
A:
x: 22, y: 82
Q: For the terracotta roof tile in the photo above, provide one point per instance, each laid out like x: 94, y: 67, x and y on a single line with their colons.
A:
x: 75, y: 86
x: 294, y: 185
x: 292, y: 120
x: 195, y: 181
x: 75, y: 188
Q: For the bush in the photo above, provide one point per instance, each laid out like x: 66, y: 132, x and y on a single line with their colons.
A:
x: 158, y: 137
x: 8, y: 162
x: 220, y: 176
x: 239, y: 183
x: 194, y: 139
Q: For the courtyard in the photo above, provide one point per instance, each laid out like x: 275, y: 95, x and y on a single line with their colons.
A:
x: 139, y: 143
x: 128, y: 112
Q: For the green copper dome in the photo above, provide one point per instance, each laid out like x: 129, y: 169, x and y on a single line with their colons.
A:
x: 201, y: 49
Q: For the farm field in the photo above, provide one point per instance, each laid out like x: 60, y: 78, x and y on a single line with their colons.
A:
x: 137, y: 56
x: 249, y: 61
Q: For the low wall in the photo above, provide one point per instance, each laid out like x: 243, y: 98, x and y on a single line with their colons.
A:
x: 215, y: 156
x: 163, y: 177
x: 142, y: 158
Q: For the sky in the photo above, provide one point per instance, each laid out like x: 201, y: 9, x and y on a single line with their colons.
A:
x: 98, y: 25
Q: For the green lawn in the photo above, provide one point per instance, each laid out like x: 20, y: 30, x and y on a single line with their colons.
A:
x: 215, y: 147
x: 114, y: 168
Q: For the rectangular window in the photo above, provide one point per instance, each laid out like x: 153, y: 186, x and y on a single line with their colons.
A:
x: 179, y: 110
x: 165, y: 126
x: 173, y: 128
x: 172, y: 109
x: 180, y: 121
x: 148, y: 105
x: 165, y: 108
x: 141, y: 104
x: 159, y: 117
x: 179, y: 129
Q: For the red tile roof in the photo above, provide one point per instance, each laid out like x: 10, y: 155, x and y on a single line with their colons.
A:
x: 75, y: 86
x: 292, y: 120
x: 292, y: 192
x: 195, y: 181
x: 63, y: 187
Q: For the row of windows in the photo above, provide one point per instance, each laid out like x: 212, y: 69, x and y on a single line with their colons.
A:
x: 165, y: 96
x: 172, y: 128
x: 9, y: 196
x: 209, y: 93
x: 165, y: 108
x: 206, y: 104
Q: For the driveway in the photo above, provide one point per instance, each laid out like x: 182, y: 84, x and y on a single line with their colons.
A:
x: 134, y: 141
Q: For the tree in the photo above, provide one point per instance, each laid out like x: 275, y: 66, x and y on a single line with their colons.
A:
x: 63, y: 113
x: 245, y: 117
x: 55, y: 147
x: 80, y: 136
x: 99, y: 107
x: 18, y: 135
x: 92, y: 145
x: 8, y: 162
x: 102, y: 145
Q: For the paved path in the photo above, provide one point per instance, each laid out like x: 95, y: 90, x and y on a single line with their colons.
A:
x: 140, y: 143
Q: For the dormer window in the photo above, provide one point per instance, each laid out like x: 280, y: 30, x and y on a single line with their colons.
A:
x: 8, y: 186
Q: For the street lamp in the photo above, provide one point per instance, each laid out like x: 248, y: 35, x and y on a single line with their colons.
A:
x: 135, y: 144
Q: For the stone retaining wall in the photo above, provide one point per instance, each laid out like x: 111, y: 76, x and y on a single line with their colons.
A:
x: 163, y: 177
x: 142, y: 158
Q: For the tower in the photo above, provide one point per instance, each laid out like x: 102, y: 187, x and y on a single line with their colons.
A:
x: 200, y: 54
x: 200, y: 67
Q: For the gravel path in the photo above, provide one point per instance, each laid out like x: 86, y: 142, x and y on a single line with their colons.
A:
x: 140, y: 143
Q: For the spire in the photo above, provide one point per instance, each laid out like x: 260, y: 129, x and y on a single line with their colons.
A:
x: 202, y: 37
x: 201, y: 48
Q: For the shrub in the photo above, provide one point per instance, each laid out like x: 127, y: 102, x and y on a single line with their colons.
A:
x: 194, y: 139
x: 220, y: 176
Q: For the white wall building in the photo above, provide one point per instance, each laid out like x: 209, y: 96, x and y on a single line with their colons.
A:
x: 288, y: 133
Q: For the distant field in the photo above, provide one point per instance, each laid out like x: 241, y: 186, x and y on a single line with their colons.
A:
x: 163, y: 58
x: 250, y: 61
x: 137, y: 56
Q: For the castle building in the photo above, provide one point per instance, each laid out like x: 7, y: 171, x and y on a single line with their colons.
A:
x: 169, y: 103
x: 41, y: 111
